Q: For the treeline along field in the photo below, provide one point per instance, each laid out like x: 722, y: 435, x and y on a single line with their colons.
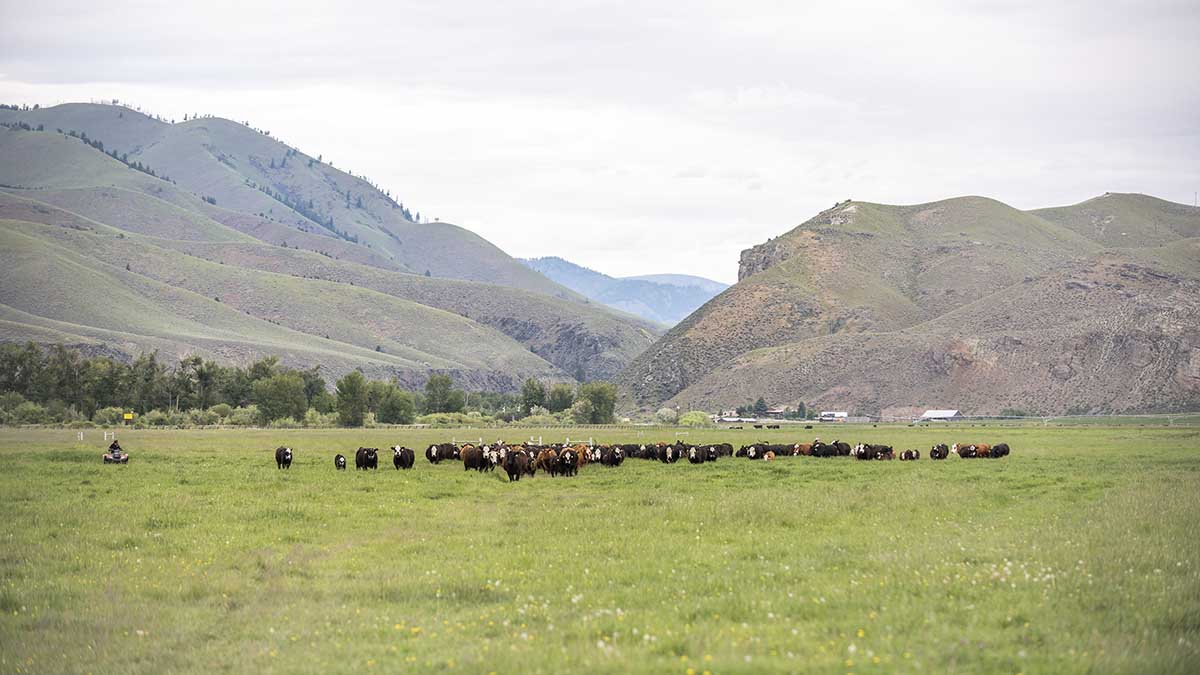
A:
x: 1079, y: 552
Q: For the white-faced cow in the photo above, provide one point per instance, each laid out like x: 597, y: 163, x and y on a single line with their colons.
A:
x: 403, y: 458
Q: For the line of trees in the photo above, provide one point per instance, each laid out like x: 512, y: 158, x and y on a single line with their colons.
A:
x: 60, y: 385
x: 590, y: 403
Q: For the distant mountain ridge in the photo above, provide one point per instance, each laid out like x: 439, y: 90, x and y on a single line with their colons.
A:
x: 964, y: 303
x: 684, y: 280
x: 662, y: 298
x: 238, y: 246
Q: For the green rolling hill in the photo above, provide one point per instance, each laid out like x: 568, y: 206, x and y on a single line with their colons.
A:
x: 239, y: 285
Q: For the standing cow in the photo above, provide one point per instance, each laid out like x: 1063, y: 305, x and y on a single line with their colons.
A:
x: 403, y: 458
x: 547, y: 460
x: 283, y: 457
x: 473, y: 458
x: 568, y: 462
x: 516, y: 462
x: 339, y: 462
x: 939, y: 451
x: 366, y: 459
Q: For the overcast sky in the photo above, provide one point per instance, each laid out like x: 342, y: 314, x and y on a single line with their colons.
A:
x: 639, y: 137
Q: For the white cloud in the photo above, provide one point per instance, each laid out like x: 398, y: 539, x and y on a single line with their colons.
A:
x: 635, y: 138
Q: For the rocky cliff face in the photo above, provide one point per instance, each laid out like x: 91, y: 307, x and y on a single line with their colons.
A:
x: 774, y: 251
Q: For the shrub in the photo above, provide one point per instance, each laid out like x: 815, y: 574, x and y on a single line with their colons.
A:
x: 9, y: 400
x: 156, y: 418
x: 454, y: 420
x: 203, y: 418
x: 221, y: 410
x: 581, y: 411
x: 284, y: 423
x: 57, y: 411
x: 315, y: 419
x: 666, y: 416
x: 540, y: 421
x: 111, y: 416
x: 29, y: 413
x: 695, y: 418
x: 244, y: 417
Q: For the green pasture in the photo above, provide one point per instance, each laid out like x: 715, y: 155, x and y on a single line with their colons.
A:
x: 1078, y: 553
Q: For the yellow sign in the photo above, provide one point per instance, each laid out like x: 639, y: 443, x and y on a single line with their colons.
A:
x: 128, y: 416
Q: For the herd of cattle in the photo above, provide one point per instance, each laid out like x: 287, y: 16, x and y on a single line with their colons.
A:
x: 558, y: 459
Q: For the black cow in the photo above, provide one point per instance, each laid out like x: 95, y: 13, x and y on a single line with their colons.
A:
x: 516, y: 462
x: 843, y: 449
x: 696, y: 455
x: 820, y: 449
x: 568, y: 463
x: 939, y: 451
x: 1000, y: 450
x: 283, y: 457
x: 441, y: 451
x: 366, y: 458
x: 612, y: 456
x: 403, y: 458
x: 910, y: 455
x: 339, y: 462
x: 865, y: 451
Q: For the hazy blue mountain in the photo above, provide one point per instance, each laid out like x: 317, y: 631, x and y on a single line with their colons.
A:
x: 664, y: 298
x: 685, y: 280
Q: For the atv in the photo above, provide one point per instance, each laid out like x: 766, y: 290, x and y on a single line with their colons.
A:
x: 116, y: 457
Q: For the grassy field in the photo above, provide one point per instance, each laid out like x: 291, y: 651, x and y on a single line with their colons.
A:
x: 1078, y: 553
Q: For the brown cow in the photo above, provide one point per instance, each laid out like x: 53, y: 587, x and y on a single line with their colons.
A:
x: 472, y: 458
x: 547, y: 460
x: 769, y: 456
x: 582, y: 455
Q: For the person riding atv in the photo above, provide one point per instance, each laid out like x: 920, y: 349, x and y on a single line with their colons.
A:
x: 115, y: 454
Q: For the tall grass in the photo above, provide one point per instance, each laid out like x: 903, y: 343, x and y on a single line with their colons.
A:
x: 1077, y: 553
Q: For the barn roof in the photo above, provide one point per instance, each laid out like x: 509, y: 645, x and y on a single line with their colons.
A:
x: 939, y: 413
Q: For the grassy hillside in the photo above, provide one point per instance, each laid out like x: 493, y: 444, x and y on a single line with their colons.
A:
x: 1127, y: 220
x: 868, y: 306
x: 570, y: 337
x: 251, y: 172
x: 242, y: 314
